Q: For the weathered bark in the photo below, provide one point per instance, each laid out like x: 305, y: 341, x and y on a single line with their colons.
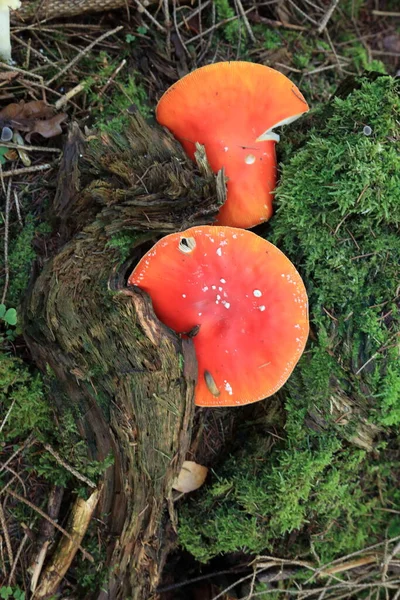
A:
x: 56, y: 9
x: 50, y: 9
x: 126, y: 378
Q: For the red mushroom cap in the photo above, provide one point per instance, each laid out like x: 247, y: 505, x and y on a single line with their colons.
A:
x: 240, y: 298
x: 231, y: 108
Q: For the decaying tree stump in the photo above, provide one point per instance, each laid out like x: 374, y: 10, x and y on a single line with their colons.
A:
x: 127, y: 379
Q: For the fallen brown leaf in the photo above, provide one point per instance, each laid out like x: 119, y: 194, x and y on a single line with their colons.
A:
x: 8, y: 75
x: 48, y: 128
x: 32, y: 117
x: 26, y: 110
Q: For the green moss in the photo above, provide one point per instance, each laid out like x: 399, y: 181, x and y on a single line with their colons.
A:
x: 338, y: 213
x: 109, y: 110
x: 259, y: 496
x: 124, y: 242
x: 95, y: 575
x: 351, y: 9
x: 329, y: 494
x: 362, y: 60
x: 21, y: 257
x: 271, y: 38
x: 224, y: 11
x: 49, y: 468
x: 114, y: 116
x: 23, y: 394
x: 390, y: 393
x: 337, y: 218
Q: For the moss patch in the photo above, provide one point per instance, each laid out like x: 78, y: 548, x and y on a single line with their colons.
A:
x: 109, y: 109
x: 337, y: 218
x: 22, y: 393
x: 21, y: 257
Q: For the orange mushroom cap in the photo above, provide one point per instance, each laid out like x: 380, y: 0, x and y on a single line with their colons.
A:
x: 240, y: 298
x: 231, y: 108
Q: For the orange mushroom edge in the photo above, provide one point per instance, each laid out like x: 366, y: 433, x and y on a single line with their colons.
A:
x: 232, y: 109
x: 242, y: 302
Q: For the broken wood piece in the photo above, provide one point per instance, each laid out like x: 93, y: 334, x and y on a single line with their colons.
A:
x: 81, y: 515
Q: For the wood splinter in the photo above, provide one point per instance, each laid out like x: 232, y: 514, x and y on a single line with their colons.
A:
x: 81, y: 515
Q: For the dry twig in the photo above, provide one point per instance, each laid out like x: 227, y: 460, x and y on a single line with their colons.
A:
x: 111, y: 79
x: 22, y: 71
x: 7, y: 415
x: 29, y: 440
x: 246, y: 21
x: 30, y: 148
x: 69, y: 467
x: 38, y: 565
x: 216, y: 26
x: 81, y: 515
x: 386, y: 13
x: 18, y: 209
x: 143, y: 10
x: 17, y: 556
x: 83, y: 52
x: 327, y: 16
x: 27, y: 170
x: 70, y: 94
x: 4, y: 527
x: 6, y: 234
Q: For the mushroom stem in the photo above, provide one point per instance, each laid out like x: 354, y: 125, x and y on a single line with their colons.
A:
x: 5, y: 37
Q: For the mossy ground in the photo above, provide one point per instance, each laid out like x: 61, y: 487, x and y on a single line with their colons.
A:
x: 308, y: 478
x: 337, y: 217
x: 109, y: 111
x: 27, y: 420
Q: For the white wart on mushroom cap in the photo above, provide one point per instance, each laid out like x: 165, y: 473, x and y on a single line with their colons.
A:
x: 241, y: 297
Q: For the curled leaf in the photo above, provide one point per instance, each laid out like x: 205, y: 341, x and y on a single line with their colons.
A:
x: 18, y: 139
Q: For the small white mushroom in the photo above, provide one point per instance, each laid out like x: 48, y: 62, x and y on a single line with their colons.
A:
x: 5, y: 38
x: 190, y: 478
